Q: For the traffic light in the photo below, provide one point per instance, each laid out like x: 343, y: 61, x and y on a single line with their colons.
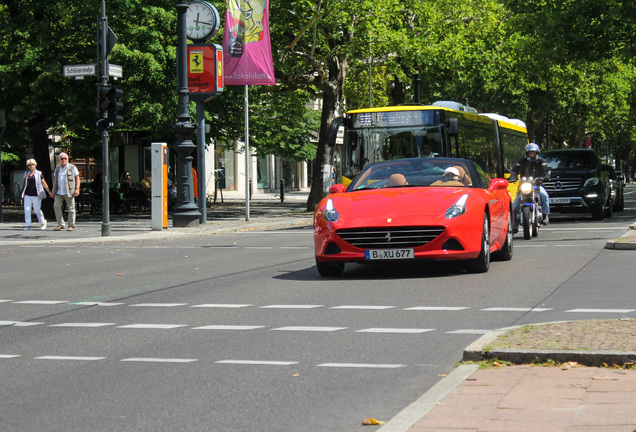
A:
x: 107, y: 116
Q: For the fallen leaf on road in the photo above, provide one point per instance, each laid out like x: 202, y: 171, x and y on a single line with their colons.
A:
x: 371, y: 422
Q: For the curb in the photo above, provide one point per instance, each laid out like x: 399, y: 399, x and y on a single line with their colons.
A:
x: 418, y: 409
x: 625, y: 242
x: 476, y: 352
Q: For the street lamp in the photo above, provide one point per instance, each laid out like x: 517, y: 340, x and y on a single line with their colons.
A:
x: 186, y: 213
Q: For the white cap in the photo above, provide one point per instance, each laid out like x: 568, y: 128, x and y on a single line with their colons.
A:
x: 451, y: 170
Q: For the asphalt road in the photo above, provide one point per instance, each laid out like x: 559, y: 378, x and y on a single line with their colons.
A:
x: 237, y: 332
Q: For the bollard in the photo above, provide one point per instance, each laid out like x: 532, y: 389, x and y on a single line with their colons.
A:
x: 282, y: 190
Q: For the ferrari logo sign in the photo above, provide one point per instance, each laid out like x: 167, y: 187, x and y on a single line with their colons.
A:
x: 196, y: 61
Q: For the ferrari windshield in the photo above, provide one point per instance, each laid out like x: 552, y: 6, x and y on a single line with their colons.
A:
x: 416, y: 172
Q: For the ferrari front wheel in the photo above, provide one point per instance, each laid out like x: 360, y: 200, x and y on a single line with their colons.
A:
x: 482, y: 262
x: 329, y: 269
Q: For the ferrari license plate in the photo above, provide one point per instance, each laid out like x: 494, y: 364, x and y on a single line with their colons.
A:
x: 386, y: 254
x: 559, y: 200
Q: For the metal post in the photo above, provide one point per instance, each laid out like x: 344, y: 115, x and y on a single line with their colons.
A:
x: 201, y: 187
x: 247, y: 157
x: 104, y: 81
x: 185, y: 211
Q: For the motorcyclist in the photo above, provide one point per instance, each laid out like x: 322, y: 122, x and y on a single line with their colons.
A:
x: 531, y: 166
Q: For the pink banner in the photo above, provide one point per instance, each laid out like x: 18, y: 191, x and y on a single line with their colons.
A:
x: 246, y: 44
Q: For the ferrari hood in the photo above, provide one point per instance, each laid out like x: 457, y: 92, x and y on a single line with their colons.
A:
x: 399, y: 206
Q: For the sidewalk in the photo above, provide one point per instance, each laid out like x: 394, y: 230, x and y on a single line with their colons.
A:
x: 577, y: 396
x: 266, y: 211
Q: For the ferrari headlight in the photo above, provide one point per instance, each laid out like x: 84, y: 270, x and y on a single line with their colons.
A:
x: 457, y: 209
x: 331, y: 214
x: 525, y: 188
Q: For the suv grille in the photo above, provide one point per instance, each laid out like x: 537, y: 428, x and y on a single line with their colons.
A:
x: 390, y: 237
x: 565, y: 184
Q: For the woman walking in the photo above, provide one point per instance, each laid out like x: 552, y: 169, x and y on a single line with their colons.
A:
x: 34, y: 191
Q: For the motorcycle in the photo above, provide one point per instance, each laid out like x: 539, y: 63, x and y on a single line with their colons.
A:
x: 530, y: 215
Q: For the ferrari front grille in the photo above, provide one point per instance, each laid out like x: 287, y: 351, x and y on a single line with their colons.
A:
x: 390, y: 237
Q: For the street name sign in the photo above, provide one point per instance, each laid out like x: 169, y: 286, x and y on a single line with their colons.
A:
x: 80, y: 70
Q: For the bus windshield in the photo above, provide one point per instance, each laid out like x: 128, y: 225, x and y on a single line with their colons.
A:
x: 378, y: 136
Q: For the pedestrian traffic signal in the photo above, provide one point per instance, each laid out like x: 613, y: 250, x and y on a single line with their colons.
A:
x: 107, y: 116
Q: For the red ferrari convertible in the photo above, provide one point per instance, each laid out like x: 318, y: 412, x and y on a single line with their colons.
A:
x: 409, y: 209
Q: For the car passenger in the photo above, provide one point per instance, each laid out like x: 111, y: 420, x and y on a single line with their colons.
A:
x: 397, y: 180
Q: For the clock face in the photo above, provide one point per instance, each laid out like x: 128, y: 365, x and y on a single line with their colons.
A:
x: 202, y: 21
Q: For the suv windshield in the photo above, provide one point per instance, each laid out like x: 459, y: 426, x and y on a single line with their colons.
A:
x: 570, y: 160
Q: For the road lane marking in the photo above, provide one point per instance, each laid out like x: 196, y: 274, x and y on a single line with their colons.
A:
x: 152, y: 326
x: 514, y: 309
x: 469, y: 331
x: 257, y: 362
x: 41, y: 302
x: 158, y: 360
x: 290, y: 306
x: 218, y: 305
x: 310, y: 328
x: 361, y: 365
x: 395, y: 330
x: 8, y: 356
x: 19, y: 323
x: 436, y: 308
x: 5, y: 301
x: 354, y: 307
x: 227, y: 327
x: 89, y: 325
x: 69, y: 358
x: 601, y: 310
x: 158, y: 304
x: 89, y: 303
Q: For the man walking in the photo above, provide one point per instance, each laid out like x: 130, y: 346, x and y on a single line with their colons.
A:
x: 66, y: 186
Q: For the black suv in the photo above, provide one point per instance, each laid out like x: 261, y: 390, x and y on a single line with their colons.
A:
x: 578, y: 183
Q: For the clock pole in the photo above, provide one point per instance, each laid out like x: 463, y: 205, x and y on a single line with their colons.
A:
x: 186, y: 213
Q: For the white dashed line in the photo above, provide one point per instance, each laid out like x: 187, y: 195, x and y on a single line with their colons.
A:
x: 469, y: 331
x: 437, y: 308
x: 291, y: 306
x: 310, y: 328
x: 69, y: 358
x: 8, y: 356
x: 227, y: 327
x: 601, y: 310
x: 395, y: 330
x: 513, y: 309
x: 361, y: 365
x: 89, y: 325
x: 41, y: 302
x: 152, y: 326
x: 158, y: 304
x: 257, y: 362
x: 19, y: 324
x: 158, y: 360
x: 214, y: 305
x: 353, y: 307
x: 89, y: 303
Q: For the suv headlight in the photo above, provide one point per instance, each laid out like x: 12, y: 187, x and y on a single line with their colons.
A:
x: 592, y: 181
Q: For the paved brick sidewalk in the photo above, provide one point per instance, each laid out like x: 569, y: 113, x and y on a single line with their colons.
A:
x: 537, y: 399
